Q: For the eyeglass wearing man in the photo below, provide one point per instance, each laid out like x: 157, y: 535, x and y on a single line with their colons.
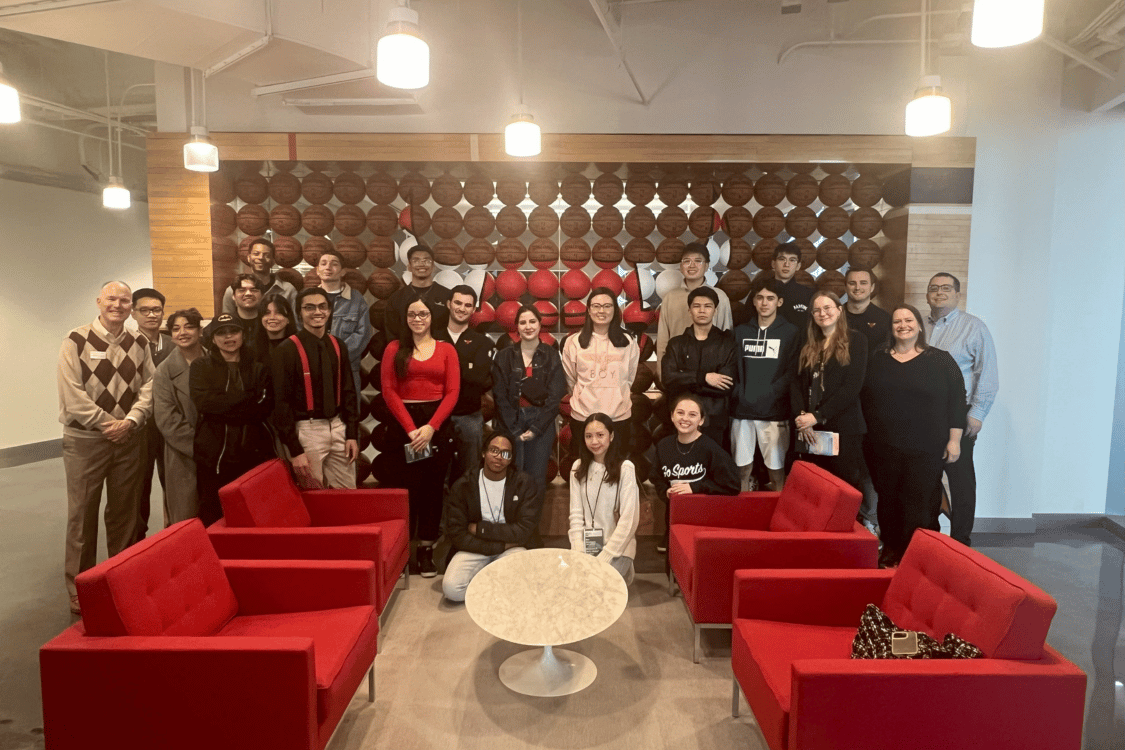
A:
x: 674, y: 313
x: 148, y: 312
x: 420, y: 261
x: 795, y: 297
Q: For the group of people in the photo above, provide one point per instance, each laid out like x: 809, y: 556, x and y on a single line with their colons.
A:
x: 276, y: 373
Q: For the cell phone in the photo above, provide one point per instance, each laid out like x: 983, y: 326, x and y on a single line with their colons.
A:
x: 904, y: 643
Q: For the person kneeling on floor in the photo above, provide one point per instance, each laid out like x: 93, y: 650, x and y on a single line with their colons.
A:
x: 489, y: 514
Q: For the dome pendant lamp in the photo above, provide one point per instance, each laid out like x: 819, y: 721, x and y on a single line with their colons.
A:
x: 402, y: 57
x: 522, y: 136
x: 9, y: 101
x: 930, y: 112
x: 115, y: 195
x: 200, y: 154
x: 1006, y: 23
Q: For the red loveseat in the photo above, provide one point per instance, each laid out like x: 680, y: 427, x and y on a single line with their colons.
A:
x: 266, y: 517
x: 810, y: 524
x: 178, y: 650
x: 791, y: 649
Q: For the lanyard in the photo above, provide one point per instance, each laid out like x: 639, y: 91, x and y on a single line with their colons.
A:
x: 491, y: 508
x: 597, y: 495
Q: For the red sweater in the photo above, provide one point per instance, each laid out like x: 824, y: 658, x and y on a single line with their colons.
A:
x: 436, y: 379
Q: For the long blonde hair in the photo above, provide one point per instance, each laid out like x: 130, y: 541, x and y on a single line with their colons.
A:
x: 814, y: 340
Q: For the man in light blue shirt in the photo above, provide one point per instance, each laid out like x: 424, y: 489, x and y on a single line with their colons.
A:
x: 967, y: 339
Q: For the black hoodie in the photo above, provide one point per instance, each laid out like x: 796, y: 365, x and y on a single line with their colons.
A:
x: 767, y: 364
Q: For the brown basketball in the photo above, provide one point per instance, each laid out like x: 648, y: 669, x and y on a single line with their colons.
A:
x: 802, y: 189
x: 769, y: 221
x: 224, y: 250
x: 317, y: 220
x: 607, y: 222
x: 543, y: 190
x: 832, y: 254
x: 864, y: 254
x: 808, y: 252
x: 672, y: 190
x: 310, y: 279
x: 575, y: 221
x: 510, y: 221
x: 866, y: 223
x: 543, y: 252
x: 543, y: 221
x: 769, y: 190
x: 575, y: 189
x: 287, y: 251
x: 801, y: 167
x: 478, y: 222
x: 446, y: 190
x: 244, y: 250
x: 639, y: 250
x: 510, y: 190
x: 738, y: 190
x: 317, y: 166
x: 221, y: 186
x: 354, y: 252
x: 349, y: 188
x: 316, y: 188
x: 896, y: 223
x: 740, y: 254
x: 672, y: 222
x: 705, y: 190
x: 704, y: 222
x: 285, y: 220
x: 804, y: 278
x: 479, y: 252
x: 736, y: 284
x: 356, y: 280
x: 832, y: 281
x: 834, y: 167
x: 285, y: 188
x: 640, y: 221
x: 314, y: 248
x: 415, y: 219
x: 833, y: 222
x: 253, y: 219
x: 669, y: 251
x: 414, y: 188
x: 608, y: 166
x: 835, y: 189
x: 382, y: 220
x: 866, y: 191
x: 640, y: 190
x: 382, y: 188
x: 382, y: 283
x: 575, y: 252
x: 446, y: 222
x: 251, y: 187
x: 292, y: 276
x: 608, y: 189
x: 770, y: 166
x: 510, y: 252
x: 607, y: 252
x: 737, y: 221
x: 762, y: 254
x: 447, y: 252
x: 381, y: 252
x: 285, y: 166
x: 800, y: 222
x: 478, y: 190
x: 351, y: 220
x: 224, y: 220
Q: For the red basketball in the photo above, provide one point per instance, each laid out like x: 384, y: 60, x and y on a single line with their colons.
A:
x: 543, y: 191
x: 800, y: 222
x: 608, y: 189
x: 575, y: 221
x: 607, y: 222
x: 866, y: 223
x: 506, y: 314
x: 610, y: 279
x: 446, y: 252
x: 575, y: 284
x: 381, y: 252
x: 832, y: 281
x: 317, y: 220
x: 488, y: 287
x: 705, y: 190
x: 740, y: 254
x: 382, y: 188
x: 832, y: 254
x: 511, y: 284
x: 478, y: 190
x: 478, y: 222
x: 484, y: 315
x: 351, y: 220
x: 510, y: 252
x: 543, y: 284
x: 223, y: 220
x: 287, y: 251
x: 640, y: 221
x: 607, y: 252
x: 669, y: 251
x: 833, y: 222
x: 574, y: 314
x: 769, y: 221
x: 640, y: 190
x: 672, y: 191
x: 314, y: 248
x: 511, y: 221
x: 414, y: 219
x: 251, y: 187
x: 382, y: 220
x: 762, y: 254
x: 549, y: 312
x: 254, y: 220
x: 414, y: 188
x: 446, y: 190
x: 446, y: 222
x: 356, y: 280
x: 640, y: 250
x: 637, y: 313
x: 479, y: 252
x: 864, y: 254
x: 835, y: 189
x: 354, y: 252
x: 510, y: 191
x: 543, y: 221
x: 316, y: 188
x: 575, y: 252
x: 866, y: 191
x: 632, y: 285
x: 221, y: 187
x: 704, y: 222
x: 349, y: 188
x: 575, y: 189
x: 672, y: 222
x: 769, y: 190
x: 383, y: 283
x: 738, y: 190
x: 736, y: 284
x: 802, y: 189
x: 285, y: 188
x: 543, y: 252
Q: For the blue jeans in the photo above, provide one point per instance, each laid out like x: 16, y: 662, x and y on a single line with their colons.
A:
x: 468, y: 438
x: 532, y: 456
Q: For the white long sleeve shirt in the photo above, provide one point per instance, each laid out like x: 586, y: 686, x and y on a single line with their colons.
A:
x: 613, y: 508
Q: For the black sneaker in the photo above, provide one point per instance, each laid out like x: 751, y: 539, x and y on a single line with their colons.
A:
x: 662, y: 545
x: 426, y: 567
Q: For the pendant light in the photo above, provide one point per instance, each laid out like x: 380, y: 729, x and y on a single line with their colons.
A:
x: 1005, y: 23
x: 114, y: 195
x: 200, y: 154
x: 930, y: 112
x: 402, y: 57
x: 522, y: 136
x: 9, y: 100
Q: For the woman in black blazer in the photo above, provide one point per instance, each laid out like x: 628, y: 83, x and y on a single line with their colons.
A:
x: 825, y: 393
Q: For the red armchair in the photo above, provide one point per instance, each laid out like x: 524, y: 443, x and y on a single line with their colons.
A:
x: 810, y: 524
x: 266, y: 517
x: 791, y: 649
x: 179, y: 650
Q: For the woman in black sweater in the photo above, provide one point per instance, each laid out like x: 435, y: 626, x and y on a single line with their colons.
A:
x: 825, y: 393
x: 914, y: 401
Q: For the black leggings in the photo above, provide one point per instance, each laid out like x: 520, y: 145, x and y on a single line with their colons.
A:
x: 423, y: 479
x: 905, y: 483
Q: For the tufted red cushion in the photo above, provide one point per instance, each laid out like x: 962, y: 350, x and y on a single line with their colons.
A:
x: 169, y: 584
x: 942, y: 587
x: 265, y: 496
x: 815, y: 500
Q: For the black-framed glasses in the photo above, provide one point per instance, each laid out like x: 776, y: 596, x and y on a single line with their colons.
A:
x: 322, y: 307
x: 418, y: 315
x: 947, y: 288
x: 500, y: 452
x: 150, y: 312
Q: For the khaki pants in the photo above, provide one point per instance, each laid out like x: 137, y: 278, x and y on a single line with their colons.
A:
x: 89, y: 463
x: 323, y: 441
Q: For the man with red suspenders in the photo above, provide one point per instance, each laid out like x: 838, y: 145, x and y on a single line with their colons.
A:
x: 317, y: 411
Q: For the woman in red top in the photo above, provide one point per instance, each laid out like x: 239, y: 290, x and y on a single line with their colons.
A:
x: 421, y: 379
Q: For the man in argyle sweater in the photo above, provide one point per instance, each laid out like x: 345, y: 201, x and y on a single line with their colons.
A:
x: 105, y: 397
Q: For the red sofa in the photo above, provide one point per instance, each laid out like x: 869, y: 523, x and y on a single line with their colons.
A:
x: 266, y: 517
x: 810, y: 524
x: 179, y: 650
x: 791, y: 649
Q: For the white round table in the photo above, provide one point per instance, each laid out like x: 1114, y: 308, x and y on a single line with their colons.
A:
x: 546, y: 597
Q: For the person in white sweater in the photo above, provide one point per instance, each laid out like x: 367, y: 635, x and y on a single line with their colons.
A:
x: 604, y: 498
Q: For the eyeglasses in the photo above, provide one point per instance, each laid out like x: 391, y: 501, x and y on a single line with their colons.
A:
x: 788, y: 261
x: 322, y: 307
x: 424, y: 262
x: 150, y: 312
x: 691, y: 262
x: 500, y: 453
x: 418, y: 315
x: 823, y: 310
x: 247, y: 290
x: 600, y: 308
x: 947, y: 288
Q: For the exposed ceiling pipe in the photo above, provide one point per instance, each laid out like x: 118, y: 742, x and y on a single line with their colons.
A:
x: 1113, y: 8
x: 60, y: 128
x: 43, y: 6
x: 896, y: 16
x: 612, y: 29
x: 77, y: 114
x: 841, y: 43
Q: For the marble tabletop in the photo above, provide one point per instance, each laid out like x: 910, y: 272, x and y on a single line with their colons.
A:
x: 546, y: 597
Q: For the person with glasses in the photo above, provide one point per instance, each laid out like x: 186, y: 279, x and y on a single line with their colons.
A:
x: 148, y: 312
x: 968, y: 341
x: 489, y: 514
x: 674, y: 313
x: 350, y: 322
x: 247, y: 291
x: 825, y: 394
x: 420, y: 263
x: 260, y: 260
x: 600, y: 363
x: 421, y: 379
x: 175, y: 415
x: 317, y: 408
x: 796, y: 297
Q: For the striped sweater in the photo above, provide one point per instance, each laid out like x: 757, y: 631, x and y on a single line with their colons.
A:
x: 103, y: 378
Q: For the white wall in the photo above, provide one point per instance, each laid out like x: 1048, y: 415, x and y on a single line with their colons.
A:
x: 59, y: 247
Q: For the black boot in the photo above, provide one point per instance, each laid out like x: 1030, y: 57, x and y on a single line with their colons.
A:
x: 426, y: 567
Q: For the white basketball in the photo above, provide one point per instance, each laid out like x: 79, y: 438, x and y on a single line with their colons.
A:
x: 713, y: 250
x: 646, y: 282
x: 710, y: 278
x: 720, y: 254
x: 404, y: 248
x: 449, y: 279
x: 668, y: 280
x: 475, y: 279
x: 407, y: 277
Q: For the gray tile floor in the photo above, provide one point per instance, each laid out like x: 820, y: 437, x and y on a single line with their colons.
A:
x: 436, y: 671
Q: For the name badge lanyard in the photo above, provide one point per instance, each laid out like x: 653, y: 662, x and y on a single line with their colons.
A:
x: 597, y: 498
x: 488, y: 499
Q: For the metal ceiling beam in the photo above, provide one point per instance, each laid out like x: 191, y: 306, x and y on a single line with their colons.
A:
x: 371, y: 102
x: 43, y: 6
x: 78, y: 114
x: 1079, y: 57
x: 312, y: 83
x: 238, y: 56
x: 612, y: 29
